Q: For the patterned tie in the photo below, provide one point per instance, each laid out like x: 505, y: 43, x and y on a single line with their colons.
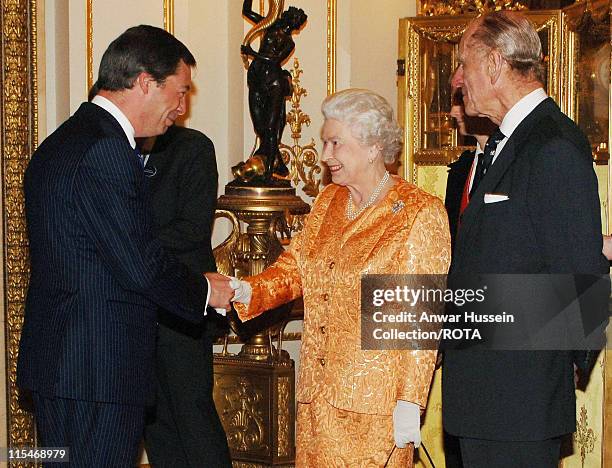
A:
x: 486, y: 158
x: 139, y: 155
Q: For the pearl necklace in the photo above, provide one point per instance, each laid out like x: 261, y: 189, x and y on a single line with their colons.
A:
x: 351, y: 213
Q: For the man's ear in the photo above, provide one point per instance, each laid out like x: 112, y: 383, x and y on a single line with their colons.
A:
x: 495, y: 65
x: 144, y: 81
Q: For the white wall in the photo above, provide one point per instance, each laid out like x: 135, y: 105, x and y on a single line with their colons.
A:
x: 374, y: 43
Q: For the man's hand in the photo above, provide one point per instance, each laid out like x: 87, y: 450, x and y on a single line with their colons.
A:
x: 221, y: 292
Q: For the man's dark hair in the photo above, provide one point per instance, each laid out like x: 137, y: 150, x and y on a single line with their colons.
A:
x: 140, y: 49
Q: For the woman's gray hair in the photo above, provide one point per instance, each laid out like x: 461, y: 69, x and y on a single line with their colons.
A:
x: 370, y: 118
x: 516, y: 39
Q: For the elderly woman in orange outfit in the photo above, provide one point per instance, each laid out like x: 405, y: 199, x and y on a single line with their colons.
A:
x: 355, y: 405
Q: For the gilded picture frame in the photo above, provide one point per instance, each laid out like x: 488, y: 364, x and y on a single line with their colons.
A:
x: 428, y: 48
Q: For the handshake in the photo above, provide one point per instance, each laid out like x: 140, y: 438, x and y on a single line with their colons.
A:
x: 226, y: 289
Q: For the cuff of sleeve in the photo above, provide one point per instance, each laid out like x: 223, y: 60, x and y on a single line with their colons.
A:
x: 207, y: 295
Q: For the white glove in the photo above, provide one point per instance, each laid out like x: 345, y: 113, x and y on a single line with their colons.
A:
x: 242, y: 293
x: 406, y: 424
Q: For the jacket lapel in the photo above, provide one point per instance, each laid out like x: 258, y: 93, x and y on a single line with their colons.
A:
x: 488, y: 184
x: 512, y: 148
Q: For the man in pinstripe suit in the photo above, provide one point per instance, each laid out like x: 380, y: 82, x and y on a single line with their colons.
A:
x: 98, y: 274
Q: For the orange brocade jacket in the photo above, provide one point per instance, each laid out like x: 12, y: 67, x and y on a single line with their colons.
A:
x: 407, y: 232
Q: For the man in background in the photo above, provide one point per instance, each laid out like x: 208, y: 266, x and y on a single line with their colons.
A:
x: 97, y: 272
x: 183, y: 429
x: 461, y: 172
x: 534, y: 209
x: 460, y: 176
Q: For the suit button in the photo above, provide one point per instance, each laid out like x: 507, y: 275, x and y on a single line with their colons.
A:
x: 326, y: 297
x: 322, y: 361
x: 332, y: 265
x: 322, y: 329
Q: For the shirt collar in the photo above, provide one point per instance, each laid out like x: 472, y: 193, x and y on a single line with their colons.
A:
x: 119, y: 116
x: 520, y: 110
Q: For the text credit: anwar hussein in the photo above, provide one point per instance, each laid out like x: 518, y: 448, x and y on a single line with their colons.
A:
x: 421, y: 315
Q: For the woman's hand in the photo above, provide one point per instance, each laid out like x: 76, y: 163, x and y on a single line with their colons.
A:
x: 406, y: 424
x: 242, y: 291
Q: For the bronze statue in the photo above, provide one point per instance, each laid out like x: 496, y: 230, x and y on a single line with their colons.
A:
x: 269, y: 88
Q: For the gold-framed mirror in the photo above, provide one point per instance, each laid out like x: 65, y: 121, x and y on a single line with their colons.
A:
x: 428, y: 47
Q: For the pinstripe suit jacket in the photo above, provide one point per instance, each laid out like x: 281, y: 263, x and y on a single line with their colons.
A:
x: 97, y: 273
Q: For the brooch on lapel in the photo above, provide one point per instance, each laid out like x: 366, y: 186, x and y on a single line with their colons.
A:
x: 397, y: 206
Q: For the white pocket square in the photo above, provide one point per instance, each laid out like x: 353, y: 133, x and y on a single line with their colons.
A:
x: 495, y: 197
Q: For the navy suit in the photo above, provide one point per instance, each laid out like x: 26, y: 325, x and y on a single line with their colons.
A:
x: 97, y: 273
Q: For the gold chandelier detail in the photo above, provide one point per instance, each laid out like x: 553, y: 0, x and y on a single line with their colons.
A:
x: 460, y: 7
x: 303, y: 160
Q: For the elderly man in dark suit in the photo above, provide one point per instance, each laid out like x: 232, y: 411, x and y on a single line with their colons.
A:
x: 97, y: 272
x: 183, y: 428
x: 509, y: 409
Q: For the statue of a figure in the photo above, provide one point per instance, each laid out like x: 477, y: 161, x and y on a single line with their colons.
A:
x: 269, y: 87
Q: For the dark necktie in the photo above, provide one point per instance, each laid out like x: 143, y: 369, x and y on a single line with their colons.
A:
x: 486, y: 158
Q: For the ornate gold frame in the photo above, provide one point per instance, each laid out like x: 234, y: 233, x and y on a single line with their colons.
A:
x: 169, y: 16
x: 332, y: 24
x: 19, y: 137
x: 413, y: 31
x: 89, y: 26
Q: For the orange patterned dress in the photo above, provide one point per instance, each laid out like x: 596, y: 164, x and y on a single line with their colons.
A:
x: 346, y: 395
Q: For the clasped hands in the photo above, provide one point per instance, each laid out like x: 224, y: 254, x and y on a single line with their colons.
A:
x: 226, y: 289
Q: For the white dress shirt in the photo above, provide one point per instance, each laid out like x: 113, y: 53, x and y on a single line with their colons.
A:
x: 119, y: 116
x: 511, y: 120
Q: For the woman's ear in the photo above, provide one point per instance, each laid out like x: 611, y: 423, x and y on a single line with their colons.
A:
x: 374, y: 152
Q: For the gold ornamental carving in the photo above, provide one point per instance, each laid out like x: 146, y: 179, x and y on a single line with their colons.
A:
x: 441, y: 32
x: 246, y: 428
x: 19, y: 136
x: 284, y: 418
x: 255, y: 402
x: 303, y: 159
x: 461, y: 7
x: 584, y: 435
